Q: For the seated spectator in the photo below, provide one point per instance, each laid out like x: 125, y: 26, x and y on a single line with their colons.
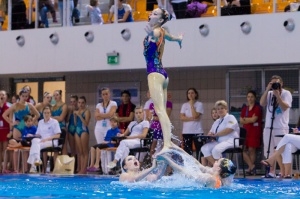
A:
x: 223, y: 132
x: 124, y: 12
x: 48, y: 129
x: 108, y: 142
x: 138, y: 130
x: 95, y: 12
x: 125, y: 111
x: 235, y: 7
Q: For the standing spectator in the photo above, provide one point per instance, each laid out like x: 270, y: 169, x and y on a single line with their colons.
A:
x: 83, y: 116
x: 104, y: 111
x: 223, y: 132
x: 18, y: 15
x: 30, y: 98
x: 47, y: 97
x: 191, y: 114
x: 251, y: 119
x: 59, y: 112
x: 14, y: 98
x: 95, y: 12
x: 71, y: 125
x: 4, y: 127
x: 125, y: 111
x: 277, y: 101
x: 124, y: 12
x: 147, y: 104
x: 156, y: 127
x: 179, y: 7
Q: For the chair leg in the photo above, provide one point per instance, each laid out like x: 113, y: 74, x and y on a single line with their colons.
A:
x: 243, y: 165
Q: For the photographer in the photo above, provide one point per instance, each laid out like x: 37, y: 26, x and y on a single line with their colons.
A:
x: 278, y: 102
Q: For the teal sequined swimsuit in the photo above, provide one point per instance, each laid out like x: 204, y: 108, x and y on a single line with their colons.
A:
x: 58, y: 112
x: 19, y: 116
x: 80, y: 127
x: 71, y: 125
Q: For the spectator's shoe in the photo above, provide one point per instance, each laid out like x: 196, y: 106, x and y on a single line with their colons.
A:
x: 38, y: 162
x: 269, y: 175
x: 33, y: 170
x: 111, y: 165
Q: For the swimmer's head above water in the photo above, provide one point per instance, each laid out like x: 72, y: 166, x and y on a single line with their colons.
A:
x: 158, y: 17
x: 130, y: 163
x: 225, y: 170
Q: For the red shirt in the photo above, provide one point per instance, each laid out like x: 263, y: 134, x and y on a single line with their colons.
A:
x: 3, y: 123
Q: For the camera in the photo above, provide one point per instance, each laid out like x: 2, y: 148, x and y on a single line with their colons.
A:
x: 276, y: 86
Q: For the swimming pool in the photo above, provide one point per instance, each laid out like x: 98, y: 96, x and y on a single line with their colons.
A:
x: 47, y: 186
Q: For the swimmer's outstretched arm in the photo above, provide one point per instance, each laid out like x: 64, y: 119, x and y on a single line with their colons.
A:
x: 170, y: 37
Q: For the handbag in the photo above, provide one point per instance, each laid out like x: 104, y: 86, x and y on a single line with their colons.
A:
x: 64, y: 165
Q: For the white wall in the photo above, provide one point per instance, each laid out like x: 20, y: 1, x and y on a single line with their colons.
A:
x: 268, y: 43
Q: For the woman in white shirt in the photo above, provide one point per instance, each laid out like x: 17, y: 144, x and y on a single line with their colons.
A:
x: 223, y: 132
x: 190, y: 114
x: 104, y: 111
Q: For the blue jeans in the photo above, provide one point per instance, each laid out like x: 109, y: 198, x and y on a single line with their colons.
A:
x: 44, y: 17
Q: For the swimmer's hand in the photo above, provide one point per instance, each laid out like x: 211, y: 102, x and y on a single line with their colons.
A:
x: 154, y: 163
x: 149, y: 30
x: 180, y: 38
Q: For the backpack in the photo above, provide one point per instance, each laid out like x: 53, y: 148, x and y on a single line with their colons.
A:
x: 195, y: 9
x: 76, y: 15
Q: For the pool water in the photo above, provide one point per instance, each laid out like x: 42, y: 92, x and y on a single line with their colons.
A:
x: 85, y: 186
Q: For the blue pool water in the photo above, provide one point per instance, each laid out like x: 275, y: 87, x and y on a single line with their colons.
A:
x: 44, y: 186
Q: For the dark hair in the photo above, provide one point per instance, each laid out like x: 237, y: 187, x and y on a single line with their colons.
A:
x: 27, y: 117
x: 287, y: 8
x: 165, y: 15
x: 104, y: 88
x: 74, y: 97
x: 252, y: 92
x: 83, y: 98
x: 227, y: 168
x: 193, y: 89
x: 126, y: 92
x: 93, y: 2
x: 16, y: 96
x: 123, y: 164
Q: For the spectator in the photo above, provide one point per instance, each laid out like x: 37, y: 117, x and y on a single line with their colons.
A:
x: 278, y: 102
x: 46, y: 6
x: 235, y: 7
x: 14, y: 98
x: 4, y: 127
x: 59, y: 112
x: 71, y: 126
x: 251, y: 119
x: 47, y: 97
x: 179, y: 7
x: 104, y: 111
x: 82, y: 120
x: 223, y: 130
x: 95, y: 12
x: 191, y: 114
x: 292, y: 7
x: 18, y: 15
x: 30, y: 98
x: 47, y: 130
x: 137, y: 129
x: 124, y: 12
x: 125, y: 111
x: 108, y: 142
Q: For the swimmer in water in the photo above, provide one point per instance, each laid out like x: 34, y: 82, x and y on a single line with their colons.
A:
x: 221, y: 174
x: 131, y: 170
